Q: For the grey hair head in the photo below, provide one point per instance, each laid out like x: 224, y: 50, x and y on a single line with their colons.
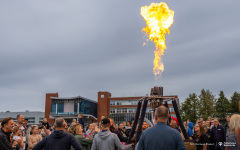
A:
x: 59, y: 123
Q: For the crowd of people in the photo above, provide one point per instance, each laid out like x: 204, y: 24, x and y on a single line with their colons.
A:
x: 164, y: 134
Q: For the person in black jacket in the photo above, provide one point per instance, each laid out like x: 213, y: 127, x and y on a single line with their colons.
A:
x: 218, y: 136
x: 45, y: 123
x: 5, y: 135
x: 119, y: 134
x: 226, y: 126
x: 200, y: 138
x: 59, y: 139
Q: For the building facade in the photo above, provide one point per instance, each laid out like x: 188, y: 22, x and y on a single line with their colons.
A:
x: 124, y: 108
x: 34, y: 117
x: 69, y: 108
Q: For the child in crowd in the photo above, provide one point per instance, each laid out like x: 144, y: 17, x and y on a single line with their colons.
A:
x: 34, y: 138
x: 17, y: 136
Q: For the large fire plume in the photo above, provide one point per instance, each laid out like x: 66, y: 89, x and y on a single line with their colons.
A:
x: 159, y: 19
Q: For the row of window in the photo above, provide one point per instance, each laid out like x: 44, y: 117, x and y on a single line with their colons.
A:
x: 131, y: 110
x: 126, y: 110
x: 128, y: 102
x: 124, y: 102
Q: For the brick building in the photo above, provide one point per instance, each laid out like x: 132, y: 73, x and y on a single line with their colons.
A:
x: 119, y: 108
x: 123, y: 108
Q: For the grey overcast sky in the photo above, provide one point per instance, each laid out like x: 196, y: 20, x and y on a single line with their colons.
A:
x: 80, y: 47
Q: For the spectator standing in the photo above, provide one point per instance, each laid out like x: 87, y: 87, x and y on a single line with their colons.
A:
x: 5, y: 135
x: 34, y: 138
x: 209, y: 118
x: 188, y: 121
x: 128, y: 128
x: 77, y: 131
x: 92, y: 131
x: 43, y: 132
x: 17, y: 135
x: 105, y: 140
x: 121, y: 126
x: 119, y: 134
x: 200, y: 138
x: 190, y: 129
x: 170, y: 138
x: 226, y: 126
x: 144, y: 126
x: 59, y: 139
x: 81, y: 120
x: 20, y: 123
x: 201, y: 120
x: 45, y: 123
x: 27, y: 129
x: 218, y: 136
x: 185, y: 125
x: 129, y: 124
x: 234, y: 124
x: 25, y: 123
x: 74, y: 122
x: 173, y: 124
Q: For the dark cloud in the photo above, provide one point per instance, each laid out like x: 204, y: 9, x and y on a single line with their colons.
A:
x: 79, y: 48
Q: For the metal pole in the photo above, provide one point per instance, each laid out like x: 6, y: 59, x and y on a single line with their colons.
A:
x: 179, y: 119
x: 135, y: 121
x: 139, y: 131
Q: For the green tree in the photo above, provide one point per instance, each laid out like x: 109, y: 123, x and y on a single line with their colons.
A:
x: 189, y: 108
x: 234, y: 102
x: 222, y: 107
x: 206, y: 104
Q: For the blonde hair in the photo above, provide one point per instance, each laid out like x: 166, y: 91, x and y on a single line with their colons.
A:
x: 75, y: 129
x: 33, y: 127
x: 15, y: 129
x: 234, y: 123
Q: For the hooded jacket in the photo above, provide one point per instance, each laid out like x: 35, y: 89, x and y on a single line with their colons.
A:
x: 190, y: 129
x: 105, y: 140
x: 58, y: 140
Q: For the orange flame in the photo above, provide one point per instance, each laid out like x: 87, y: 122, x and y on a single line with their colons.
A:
x: 159, y: 19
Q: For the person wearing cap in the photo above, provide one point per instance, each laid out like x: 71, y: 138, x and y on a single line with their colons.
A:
x: 106, y: 140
